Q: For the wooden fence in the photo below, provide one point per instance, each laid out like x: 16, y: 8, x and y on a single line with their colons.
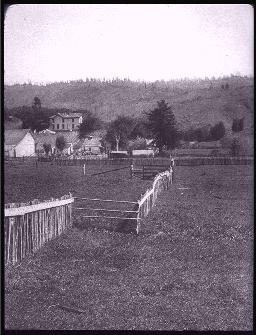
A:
x: 195, y: 161
x: 139, y: 162
x: 28, y: 226
x: 161, y: 182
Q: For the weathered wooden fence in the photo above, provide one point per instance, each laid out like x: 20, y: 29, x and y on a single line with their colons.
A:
x: 195, y: 161
x: 28, y: 226
x: 180, y: 161
x: 161, y: 182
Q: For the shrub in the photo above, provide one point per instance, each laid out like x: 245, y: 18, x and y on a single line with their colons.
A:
x: 47, y: 148
x: 217, y: 131
x: 238, y: 125
x: 60, y: 143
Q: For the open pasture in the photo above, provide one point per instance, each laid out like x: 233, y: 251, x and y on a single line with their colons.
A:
x: 25, y: 181
x: 189, y: 268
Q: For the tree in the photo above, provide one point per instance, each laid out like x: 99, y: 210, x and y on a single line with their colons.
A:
x: 60, y: 143
x: 47, y: 148
x: 161, y: 122
x: 36, y: 103
x: 140, y: 130
x: 90, y: 123
x: 217, y: 131
x: 238, y: 125
x: 137, y: 144
x: 119, y: 131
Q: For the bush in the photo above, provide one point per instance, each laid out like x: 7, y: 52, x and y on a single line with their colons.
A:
x: 217, y: 131
x: 60, y: 143
x: 238, y: 125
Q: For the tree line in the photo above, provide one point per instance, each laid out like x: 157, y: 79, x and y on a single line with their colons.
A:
x: 126, y: 132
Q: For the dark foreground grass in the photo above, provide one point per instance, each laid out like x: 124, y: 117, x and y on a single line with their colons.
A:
x: 190, y: 268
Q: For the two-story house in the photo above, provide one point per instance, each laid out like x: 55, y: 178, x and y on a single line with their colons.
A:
x: 65, y: 121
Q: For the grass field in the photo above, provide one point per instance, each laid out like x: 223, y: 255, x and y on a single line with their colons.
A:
x: 190, y: 267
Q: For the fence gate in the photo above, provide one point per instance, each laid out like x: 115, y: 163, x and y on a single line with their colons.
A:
x: 120, y: 213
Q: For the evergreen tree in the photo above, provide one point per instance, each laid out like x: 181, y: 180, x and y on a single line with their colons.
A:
x: 89, y: 124
x: 162, y: 124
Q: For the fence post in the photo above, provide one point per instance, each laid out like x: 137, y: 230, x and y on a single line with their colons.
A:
x: 84, y: 169
x: 131, y: 171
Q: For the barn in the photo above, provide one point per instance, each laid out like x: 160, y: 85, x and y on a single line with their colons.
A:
x: 19, y: 143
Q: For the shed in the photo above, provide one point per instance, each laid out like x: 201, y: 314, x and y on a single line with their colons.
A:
x: 19, y: 143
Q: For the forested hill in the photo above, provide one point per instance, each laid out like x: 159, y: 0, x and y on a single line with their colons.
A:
x: 197, y: 102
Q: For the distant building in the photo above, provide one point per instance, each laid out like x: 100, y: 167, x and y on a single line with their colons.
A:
x: 209, y: 145
x: 65, y: 121
x: 19, y: 143
x: 92, y: 145
x: 50, y: 138
x: 44, y: 138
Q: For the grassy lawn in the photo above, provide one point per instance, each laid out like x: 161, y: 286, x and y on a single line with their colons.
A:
x: 190, y: 267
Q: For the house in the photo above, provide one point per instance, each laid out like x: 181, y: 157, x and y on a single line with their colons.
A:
x: 65, y: 121
x: 92, y: 144
x: 150, y: 143
x: 19, y: 143
x: 47, y: 131
x: 47, y: 137
x: 44, y: 138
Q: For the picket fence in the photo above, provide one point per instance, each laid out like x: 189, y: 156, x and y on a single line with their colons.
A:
x: 28, y: 226
x: 161, y: 182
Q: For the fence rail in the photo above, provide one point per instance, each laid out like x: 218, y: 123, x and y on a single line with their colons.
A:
x: 181, y: 161
x: 28, y: 226
x: 161, y: 182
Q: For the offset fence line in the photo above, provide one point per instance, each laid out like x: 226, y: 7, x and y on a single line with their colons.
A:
x: 28, y: 226
x: 181, y: 161
x: 195, y: 161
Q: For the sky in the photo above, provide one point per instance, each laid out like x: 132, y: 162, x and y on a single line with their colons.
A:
x: 51, y: 43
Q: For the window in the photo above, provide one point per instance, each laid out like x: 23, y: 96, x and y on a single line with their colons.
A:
x: 73, y: 126
x: 58, y: 126
x: 53, y: 120
x: 63, y: 126
x: 73, y: 120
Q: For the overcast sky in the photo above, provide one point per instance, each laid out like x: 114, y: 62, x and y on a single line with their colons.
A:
x: 47, y: 43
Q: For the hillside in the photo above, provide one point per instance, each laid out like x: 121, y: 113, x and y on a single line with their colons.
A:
x: 197, y: 103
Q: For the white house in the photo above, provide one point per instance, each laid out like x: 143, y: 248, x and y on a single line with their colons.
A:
x: 65, y: 121
x: 92, y: 145
x: 19, y: 143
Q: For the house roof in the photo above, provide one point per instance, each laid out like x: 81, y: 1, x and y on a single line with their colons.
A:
x: 42, y: 138
x: 67, y: 115
x: 14, y: 136
x: 70, y: 137
x: 92, y: 142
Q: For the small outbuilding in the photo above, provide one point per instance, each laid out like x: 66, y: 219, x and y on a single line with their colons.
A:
x: 19, y: 143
